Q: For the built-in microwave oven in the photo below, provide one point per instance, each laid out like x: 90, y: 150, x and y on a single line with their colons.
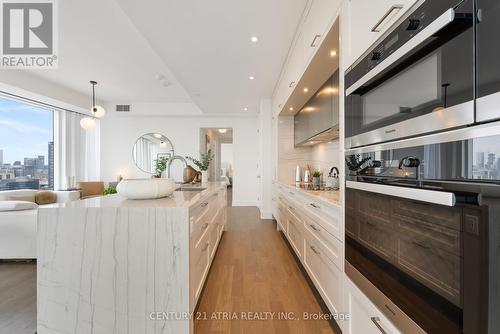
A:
x: 420, y: 78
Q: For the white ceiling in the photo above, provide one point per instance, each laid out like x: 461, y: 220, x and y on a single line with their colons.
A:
x: 202, y: 47
x: 207, y: 46
x: 98, y: 42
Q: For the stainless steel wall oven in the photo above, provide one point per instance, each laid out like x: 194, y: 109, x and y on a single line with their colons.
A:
x: 423, y: 226
x: 418, y: 79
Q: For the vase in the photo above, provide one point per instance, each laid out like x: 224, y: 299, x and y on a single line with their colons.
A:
x: 316, y: 180
x: 204, y: 176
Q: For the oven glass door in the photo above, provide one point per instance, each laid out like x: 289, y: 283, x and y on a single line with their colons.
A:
x: 413, y: 253
x: 435, y: 79
x: 488, y: 64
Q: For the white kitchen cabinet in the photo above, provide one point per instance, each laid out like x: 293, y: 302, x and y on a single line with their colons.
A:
x: 316, y: 21
x: 320, y: 252
x: 366, y: 21
x: 365, y: 316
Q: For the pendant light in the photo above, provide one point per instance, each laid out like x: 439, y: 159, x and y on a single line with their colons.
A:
x: 97, y: 111
x: 88, y: 123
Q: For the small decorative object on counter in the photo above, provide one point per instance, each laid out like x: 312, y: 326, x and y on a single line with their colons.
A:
x: 316, y: 178
x: 297, y: 174
x: 332, y: 180
x: 307, y: 174
x: 203, y: 164
x: 189, y: 174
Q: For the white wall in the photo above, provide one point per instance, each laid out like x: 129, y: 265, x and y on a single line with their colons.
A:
x: 119, y: 133
x: 266, y: 163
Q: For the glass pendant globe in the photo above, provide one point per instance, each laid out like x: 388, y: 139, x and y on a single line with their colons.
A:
x: 87, y: 123
x: 98, y: 111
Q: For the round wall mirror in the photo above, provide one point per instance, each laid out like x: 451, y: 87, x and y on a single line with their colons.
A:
x: 149, y: 149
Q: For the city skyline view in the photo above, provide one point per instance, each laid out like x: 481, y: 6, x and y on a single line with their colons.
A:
x: 25, y: 130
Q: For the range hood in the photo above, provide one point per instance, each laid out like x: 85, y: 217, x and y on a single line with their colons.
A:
x: 318, y: 121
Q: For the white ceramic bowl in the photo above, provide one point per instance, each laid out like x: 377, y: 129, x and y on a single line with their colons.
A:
x: 146, y: 188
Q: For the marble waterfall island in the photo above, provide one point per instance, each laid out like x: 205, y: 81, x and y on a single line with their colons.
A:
x: 112, y: 265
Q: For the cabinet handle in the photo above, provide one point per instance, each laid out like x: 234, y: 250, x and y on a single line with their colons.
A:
x: 314, y: 250
x: 291, y: 208
x: 386, y: 15
x: 315, y: 206
x: 292, y: 83
x: 315, y: 228
x: 215, y: 195
x: 376, y: 321
x: 204, y: 227
x: 313, y: 43
x: 206, y: 246
x: 204, y: 204
x: 291, y: 193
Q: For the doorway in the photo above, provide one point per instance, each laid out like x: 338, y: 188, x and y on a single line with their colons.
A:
x: 220, y: 143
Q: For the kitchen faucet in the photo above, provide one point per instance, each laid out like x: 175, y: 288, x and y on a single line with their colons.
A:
x: 412, y: 162
x: 169, y: 163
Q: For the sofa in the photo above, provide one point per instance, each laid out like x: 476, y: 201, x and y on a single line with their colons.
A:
x: 18, y: 228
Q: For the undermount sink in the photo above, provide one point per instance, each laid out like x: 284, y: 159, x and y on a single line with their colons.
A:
x: 190, y: 187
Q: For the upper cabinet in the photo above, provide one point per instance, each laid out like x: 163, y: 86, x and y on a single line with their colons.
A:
x: 316, y: 21
x: 366, y: 21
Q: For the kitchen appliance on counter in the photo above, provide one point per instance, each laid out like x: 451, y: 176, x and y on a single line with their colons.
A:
x: 318, y: 121
x: 423, y: 230
x: 420, y: 78
x: 332, y: 180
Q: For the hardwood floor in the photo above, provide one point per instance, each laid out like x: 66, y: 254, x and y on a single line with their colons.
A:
x: 17, y: 297
x: 254, y: 271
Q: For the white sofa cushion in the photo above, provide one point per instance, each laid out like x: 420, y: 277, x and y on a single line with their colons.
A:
x: 17, y: 206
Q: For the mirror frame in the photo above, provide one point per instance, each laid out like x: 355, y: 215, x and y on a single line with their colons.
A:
x: 152, y: 134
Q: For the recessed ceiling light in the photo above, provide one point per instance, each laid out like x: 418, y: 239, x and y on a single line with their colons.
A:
x: 254, y: 39
x: 306, y: 90
x: 251, y: 77
x: 291, y: 108
x: 246, y: 109
x: 333, y: 53
x: 222, y: 130
x: 157, y: 135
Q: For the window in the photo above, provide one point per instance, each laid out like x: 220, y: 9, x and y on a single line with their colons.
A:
x: 26, y: 146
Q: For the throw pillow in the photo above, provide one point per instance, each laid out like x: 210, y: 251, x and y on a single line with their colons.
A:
x: 17, y: 205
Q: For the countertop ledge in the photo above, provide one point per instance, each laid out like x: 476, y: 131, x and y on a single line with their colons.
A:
x: 330, y: 197
x: 179, y: 199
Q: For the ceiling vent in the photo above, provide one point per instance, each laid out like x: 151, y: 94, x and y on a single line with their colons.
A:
x: 123, y: 107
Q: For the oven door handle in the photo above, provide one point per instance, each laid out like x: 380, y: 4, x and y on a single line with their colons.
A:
x: 442, y: 21
x: 422, y: 195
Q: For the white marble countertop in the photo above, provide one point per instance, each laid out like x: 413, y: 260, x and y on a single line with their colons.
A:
x: 179, y: 199
x: 328, y: 197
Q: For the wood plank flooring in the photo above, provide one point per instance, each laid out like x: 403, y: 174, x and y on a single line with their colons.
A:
x: 17, y: 297
x: 254, y: 271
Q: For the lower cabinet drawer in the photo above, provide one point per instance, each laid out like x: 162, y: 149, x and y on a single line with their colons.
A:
x: 327, y: 217
x: 200, y: 265
x: 365, y: 317
x: 324, y: 272
x: 281, y: 217
x: 326, y: 243
x: 295, y: 234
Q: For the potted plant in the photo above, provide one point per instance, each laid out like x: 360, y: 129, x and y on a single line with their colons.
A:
x: 316, y: 178
x: 203, y: 164
x: 109, y: 190
x: 160, y: 166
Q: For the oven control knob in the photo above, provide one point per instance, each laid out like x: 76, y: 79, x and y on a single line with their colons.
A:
x: 376, y: 56
x: 413, y: 24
